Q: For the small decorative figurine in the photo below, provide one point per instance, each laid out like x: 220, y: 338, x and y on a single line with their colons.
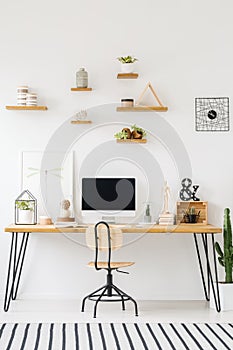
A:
x: 185, y: 193
x: 166, y: 218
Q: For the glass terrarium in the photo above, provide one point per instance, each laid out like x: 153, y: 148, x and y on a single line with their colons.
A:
x: 26, y: 209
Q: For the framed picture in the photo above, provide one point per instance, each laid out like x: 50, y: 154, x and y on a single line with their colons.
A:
x: 212, y: 114
x: 49, y: 178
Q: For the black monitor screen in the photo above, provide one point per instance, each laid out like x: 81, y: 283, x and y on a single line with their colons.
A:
x: 108, y: 194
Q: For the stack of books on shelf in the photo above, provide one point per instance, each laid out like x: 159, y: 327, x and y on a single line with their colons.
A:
x: 22, y: 95
x: 31, y: 99
x: 166, y: 219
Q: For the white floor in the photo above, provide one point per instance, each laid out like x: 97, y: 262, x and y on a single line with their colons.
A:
x: 65, y: 311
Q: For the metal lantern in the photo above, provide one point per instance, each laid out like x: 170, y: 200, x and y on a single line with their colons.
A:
x: 26, y: 209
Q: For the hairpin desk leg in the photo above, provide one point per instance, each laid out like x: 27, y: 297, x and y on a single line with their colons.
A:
x: 210, y: 276
x: 15, y: 266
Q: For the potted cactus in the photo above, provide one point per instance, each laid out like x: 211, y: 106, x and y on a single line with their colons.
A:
x: 191, y: 216
x: 225, y: 258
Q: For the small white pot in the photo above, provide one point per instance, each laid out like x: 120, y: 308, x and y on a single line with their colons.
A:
x: 127, y: 67
x: 226, y: 296
x: 25, y: 217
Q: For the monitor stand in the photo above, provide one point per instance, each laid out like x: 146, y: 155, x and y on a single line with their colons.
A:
x: 109, y: 219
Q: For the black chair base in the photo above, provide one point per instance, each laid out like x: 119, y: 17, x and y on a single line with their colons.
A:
x: 106, y: 294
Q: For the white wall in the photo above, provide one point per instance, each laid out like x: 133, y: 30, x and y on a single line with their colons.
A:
x: 184, y: 49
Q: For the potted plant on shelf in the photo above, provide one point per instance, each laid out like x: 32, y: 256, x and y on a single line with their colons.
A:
x: 225, y: 258
x: 190, y: 216
x: 126, y: 133
x: 25, y: 212
x: 127, y: 63
x: 121, y: 135
x: 137, y: 133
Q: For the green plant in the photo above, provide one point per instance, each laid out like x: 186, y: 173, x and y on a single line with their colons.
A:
x: 127, y: 59
x: 139, y: 130
x: 121, y: 135
x: 24, y: 205
x: 225, y: 257
x: 192, y: 211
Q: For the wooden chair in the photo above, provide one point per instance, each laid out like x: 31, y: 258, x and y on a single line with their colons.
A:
x: 101, y: 238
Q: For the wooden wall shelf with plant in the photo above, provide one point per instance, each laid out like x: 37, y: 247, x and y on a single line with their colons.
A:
x: 135, y: 135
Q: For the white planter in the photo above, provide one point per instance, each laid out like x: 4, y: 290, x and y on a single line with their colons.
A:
x: 127, y: 67
x: 25, y: 217
x: 226, y: 296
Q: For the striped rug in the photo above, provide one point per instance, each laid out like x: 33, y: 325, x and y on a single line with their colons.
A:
x: 119, y: 336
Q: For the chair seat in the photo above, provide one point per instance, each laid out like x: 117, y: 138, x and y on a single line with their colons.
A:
x: 114, y: 265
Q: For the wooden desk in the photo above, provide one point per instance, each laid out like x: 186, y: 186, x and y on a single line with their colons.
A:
x: 202, y: 235
x: 182, y: 228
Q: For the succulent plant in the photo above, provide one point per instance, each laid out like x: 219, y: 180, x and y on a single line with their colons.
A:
x: 127, y: 130
x: 122, y: 135
x: 127, y: 59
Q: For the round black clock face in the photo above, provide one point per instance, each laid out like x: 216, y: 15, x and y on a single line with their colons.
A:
x: 212, y: 114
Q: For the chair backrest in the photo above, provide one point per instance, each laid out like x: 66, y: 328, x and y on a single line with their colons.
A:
x: 103, y: 237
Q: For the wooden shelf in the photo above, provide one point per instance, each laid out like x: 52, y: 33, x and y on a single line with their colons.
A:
x: 27, y: 108
x: 127, y: 75
x: 142, y: 109
x: 81, y: 89
x: 132, y: 141
x: 81, y: 121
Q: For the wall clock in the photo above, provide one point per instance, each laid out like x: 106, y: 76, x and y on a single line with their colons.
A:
x: 212, y: 113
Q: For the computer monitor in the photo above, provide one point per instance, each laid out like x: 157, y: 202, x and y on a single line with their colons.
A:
x: 109, y: 196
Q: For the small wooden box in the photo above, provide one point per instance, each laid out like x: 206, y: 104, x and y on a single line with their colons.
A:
x: 182, y: 207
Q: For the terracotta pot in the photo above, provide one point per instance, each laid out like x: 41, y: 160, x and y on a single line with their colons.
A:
x: 127, y: 130
x: 136, y: 134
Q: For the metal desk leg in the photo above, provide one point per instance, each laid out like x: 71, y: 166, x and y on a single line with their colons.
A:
x: 210, y: 279
x: 15, y: 266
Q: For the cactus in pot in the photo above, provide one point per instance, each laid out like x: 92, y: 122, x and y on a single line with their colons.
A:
x: 192, y: 211
x: 225, y: 257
